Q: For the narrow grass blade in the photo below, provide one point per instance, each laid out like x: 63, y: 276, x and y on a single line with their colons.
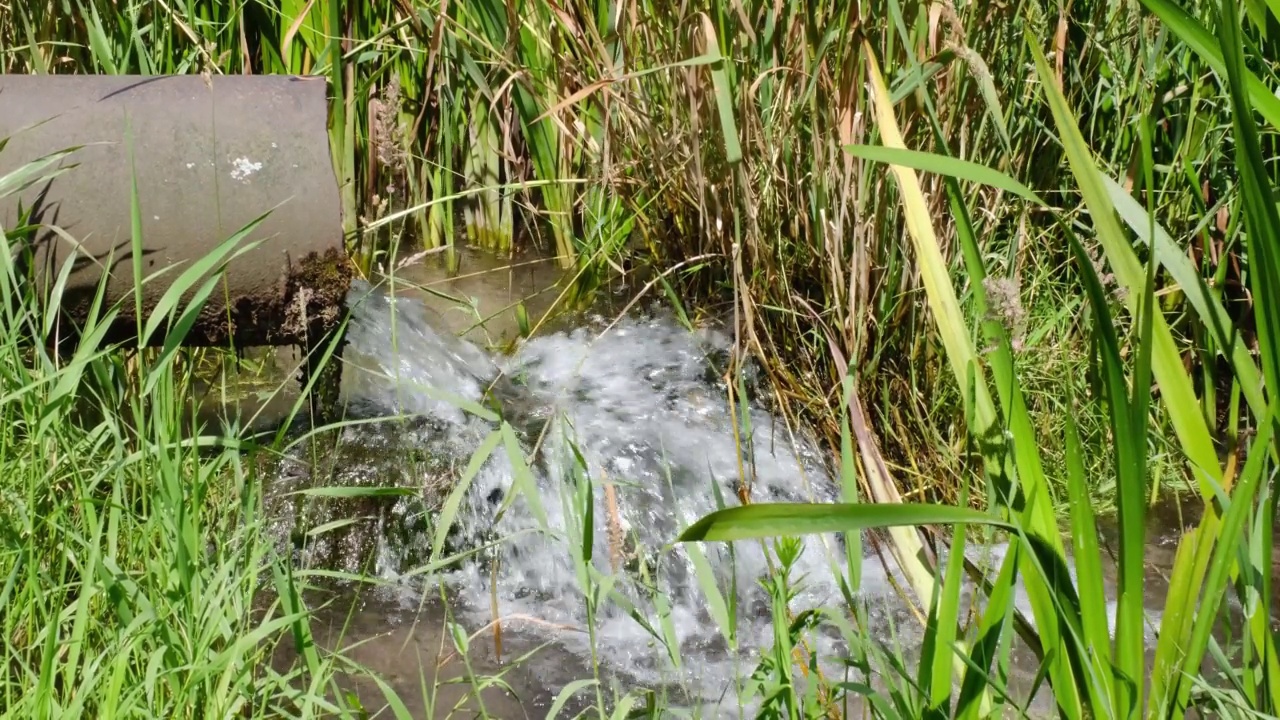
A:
x: 723, y: 93
x: 226, y: 251
x: 1037, y: 507
x: 996, y: 617
x: 1088, y: 556
x: 1207, y: 307
x: 39, y: 170
x: 1190, y: 560
x: 353, y: 491
x: 566, y: 694
x: 716, y: 605
x: 1262, y: 220
x: 1176, y: 390
x: 523, y: 482
x: 946, y: 616
x: 450, y: 510
x: 1215, y: 585
x: 1262, y: 225
x: 1130, y: 448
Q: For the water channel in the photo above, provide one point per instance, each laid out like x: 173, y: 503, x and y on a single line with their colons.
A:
x: 626, y: 417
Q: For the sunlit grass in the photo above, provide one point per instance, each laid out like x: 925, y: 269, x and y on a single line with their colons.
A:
x: 1047, y: 358
x: 139, y: 576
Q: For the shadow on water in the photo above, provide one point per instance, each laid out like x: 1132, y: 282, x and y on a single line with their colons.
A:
x: 482, y: 302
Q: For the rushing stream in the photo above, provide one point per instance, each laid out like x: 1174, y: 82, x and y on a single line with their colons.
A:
x: 636, y: 413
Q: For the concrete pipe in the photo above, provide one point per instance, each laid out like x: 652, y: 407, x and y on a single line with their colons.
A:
x: 209, y: 155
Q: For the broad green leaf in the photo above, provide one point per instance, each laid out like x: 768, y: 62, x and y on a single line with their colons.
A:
x: 849, y: 488
x: 944, y: 165
x: 767, y: 520
x: 172, y: 342
x: 946, y: 613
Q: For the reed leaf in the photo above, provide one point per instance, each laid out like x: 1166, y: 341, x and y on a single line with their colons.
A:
x: 1176, y: 389
x: 768, y: 520
x: 1262, y: 235
x: 1202, y: 42
x: 1037, y: 506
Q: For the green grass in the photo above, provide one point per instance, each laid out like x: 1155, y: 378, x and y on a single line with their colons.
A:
x: 1092, y: 672
x: 134, y: 554
x: 1031, y: 250
x: 659, y: 133
x: 140, y: 572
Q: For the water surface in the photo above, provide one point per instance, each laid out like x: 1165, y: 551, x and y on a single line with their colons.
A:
x: 628, y: 439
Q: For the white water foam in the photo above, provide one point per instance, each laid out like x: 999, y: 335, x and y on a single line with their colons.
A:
x: 638, y: 406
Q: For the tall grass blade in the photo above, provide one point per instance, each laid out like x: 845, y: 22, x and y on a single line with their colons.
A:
x: 993, y: 626
x: 1215, y: 585
x: 1037, y: 506
x: 1175, y: 385
x: 1088, y: 556
x: 1130, y: 449
x: 449, y: 512
x: 1207, y: 307
x: 723, y: 92
x: 1262, y: 235
x: 1261, y: 218
x: 221, y: 255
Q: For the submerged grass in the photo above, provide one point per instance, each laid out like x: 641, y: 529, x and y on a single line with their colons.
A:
x: 1020, y: 257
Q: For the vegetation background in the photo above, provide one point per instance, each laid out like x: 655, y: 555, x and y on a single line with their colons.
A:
x: 1092, y: 217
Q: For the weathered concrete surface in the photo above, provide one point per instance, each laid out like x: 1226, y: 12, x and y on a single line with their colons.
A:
x: 210, y: 155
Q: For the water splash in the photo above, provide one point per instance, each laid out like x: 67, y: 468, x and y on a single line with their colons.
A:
x: 638, y: 409
x: 640, y: 412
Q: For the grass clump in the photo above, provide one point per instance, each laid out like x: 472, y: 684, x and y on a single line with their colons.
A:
x: 1094, y: 667
x: 139, y: 574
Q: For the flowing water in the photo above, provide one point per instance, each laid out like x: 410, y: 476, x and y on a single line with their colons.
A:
x: 630, y: 440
